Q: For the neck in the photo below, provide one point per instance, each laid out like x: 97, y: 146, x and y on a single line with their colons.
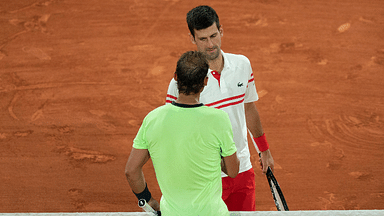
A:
x: 191, y: 99
x: 217, y: 64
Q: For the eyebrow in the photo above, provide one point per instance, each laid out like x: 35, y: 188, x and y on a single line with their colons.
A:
x: 214, y: 34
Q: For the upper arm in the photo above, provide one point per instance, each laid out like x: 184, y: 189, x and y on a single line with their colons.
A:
x: 251, y: 92
x: 136, y: 160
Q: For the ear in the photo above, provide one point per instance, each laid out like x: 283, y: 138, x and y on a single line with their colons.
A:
x: 205, y: 81
x: 221, y: 30
x: 192, y: 38
x: 175, y: 76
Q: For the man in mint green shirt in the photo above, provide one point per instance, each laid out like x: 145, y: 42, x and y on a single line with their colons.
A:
x: 189, y: 145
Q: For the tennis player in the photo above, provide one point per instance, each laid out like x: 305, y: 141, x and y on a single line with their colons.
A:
x: 231, y: 88
x: 189, y: 144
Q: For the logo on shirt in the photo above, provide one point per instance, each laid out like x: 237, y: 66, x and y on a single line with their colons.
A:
x: 239, y: 84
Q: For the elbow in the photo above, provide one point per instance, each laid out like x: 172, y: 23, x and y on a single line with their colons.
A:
x: 129, y: 172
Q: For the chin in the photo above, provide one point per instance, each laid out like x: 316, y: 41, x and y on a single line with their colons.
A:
x: 213, y: 56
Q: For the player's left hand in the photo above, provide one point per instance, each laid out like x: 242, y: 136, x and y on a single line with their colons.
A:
x: 266, y: 161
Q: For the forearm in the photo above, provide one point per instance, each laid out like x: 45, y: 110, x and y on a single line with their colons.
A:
x: 253, y: 120
x: 254, y: 126
x: 136, y: 180
x: 135, y: 176
x: 134, y: 169
x: 230, y: 165
x: 139, y: 187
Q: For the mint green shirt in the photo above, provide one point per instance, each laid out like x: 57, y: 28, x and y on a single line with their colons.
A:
x: 186, y: 145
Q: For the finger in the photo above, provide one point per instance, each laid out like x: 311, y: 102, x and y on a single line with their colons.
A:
x: 265, y: 169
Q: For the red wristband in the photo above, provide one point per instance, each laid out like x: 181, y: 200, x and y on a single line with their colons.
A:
x: 262, y: 143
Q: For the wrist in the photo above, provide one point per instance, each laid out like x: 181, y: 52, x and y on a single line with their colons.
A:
x: 262, y: 143
x: 144, y: 195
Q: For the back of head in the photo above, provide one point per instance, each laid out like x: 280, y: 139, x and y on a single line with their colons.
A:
x: 191, y: 70
x: 201, y: 17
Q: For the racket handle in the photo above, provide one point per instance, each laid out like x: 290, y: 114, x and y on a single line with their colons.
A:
x: 147, y: 208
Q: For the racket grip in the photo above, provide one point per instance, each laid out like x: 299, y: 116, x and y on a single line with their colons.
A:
x: 147, y: 208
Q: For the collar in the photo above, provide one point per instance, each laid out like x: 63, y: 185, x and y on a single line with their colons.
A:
x: 227, y: 63
x: 187, y: 105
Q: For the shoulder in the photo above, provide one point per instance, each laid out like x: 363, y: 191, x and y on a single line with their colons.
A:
x: 172, y: 83
x: 238, y: 58
x: 158, y: 110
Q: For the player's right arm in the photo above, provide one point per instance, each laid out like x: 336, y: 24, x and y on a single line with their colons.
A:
x: 135, y: 176
x: 230, y: 165
x: 134, y: 167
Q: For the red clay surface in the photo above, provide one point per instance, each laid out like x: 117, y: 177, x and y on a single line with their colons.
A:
x: 77, y: 78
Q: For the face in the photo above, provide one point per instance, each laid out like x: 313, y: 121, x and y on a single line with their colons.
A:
x: 208, y: 41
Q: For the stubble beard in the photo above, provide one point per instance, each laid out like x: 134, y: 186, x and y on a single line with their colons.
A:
x: 213, y: 56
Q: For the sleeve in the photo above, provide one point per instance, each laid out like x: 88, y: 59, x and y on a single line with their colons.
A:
x: 227, y: 145
x: 173, y: 92
x: 251, y: 93
x: 140, y: 141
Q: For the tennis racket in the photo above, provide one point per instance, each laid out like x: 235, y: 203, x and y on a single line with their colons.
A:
x: 277, y: 194
x: 276, y: 191
x: 147, y: 208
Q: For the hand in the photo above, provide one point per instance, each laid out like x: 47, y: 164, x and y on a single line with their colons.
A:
x: 266, y: 161
x: 154, y: 204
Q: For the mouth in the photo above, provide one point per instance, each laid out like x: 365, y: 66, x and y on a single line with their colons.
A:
x: 211, y: 50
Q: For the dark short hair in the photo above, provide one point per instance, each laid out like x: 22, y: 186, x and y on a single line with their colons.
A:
x: 202, y: 17
x: 191, y: 70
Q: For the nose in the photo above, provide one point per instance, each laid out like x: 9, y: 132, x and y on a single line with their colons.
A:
x: 210, y: 43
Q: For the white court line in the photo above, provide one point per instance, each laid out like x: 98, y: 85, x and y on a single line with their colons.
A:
x: 256, y: 213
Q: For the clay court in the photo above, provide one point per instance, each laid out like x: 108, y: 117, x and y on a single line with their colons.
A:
x: 78, y: 77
